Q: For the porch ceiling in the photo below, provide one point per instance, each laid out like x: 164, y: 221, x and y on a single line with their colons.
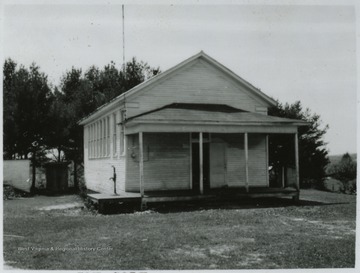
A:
x: 175, y: 118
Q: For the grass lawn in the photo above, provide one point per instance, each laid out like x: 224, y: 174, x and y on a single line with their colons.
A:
x: 261, y: 234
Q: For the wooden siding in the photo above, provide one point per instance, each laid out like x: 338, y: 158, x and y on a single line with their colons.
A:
x: 98, y: 170
x: 166, y: 162
x: 198, y: 83
x: 235, y: 159
x: 257, y: 160
x: 132, y: 164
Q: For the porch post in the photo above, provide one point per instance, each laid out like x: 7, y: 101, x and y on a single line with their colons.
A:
x: 141, y: 164
x: 297, y: 185
x: 201, y: 162
x: 246, y: 161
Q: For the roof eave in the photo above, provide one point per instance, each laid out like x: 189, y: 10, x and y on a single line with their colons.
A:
x: 251, y: 123
x: 101, y: 110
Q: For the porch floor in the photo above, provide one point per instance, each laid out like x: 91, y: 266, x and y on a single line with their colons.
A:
x: 120, y: 197
x: 179, y: 195
x: 187, y: 195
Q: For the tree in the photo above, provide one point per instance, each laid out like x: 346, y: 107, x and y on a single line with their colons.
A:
x: 27, y: 100
x: 61, y: 121
x: 80, y: 94
x: 137, y: 72
x: 313, y: 155
x: 10, y: 130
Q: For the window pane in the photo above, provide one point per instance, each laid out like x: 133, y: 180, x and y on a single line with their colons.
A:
x: 114, y: 135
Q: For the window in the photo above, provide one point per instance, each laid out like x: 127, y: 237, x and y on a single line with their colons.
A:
x: 90, y: 140
x: 114, y: 135
x: 107, y: 136
x: 103, y: 146
x: 122, y: 133
x: 93, y: 140
x: 99, y: 138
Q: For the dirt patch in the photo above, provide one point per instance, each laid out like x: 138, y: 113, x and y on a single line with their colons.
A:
x: 332, y: 229
x: 244, y: 240
x: 13, y: 236
x: 339, y: 227
x: 62, y: 206
x: 145, y: 212
x: 221, y: 251
x: 8, y: 266
x: 188, y: 251
x: 250, y: 259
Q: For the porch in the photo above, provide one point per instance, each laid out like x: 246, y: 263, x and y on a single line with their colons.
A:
x: 186, y: 152
x: 207, y: 147
x: 126, y: 198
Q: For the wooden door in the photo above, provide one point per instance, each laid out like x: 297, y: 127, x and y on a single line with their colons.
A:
x: 217, y: 165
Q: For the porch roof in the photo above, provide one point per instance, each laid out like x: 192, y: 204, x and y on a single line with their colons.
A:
x: 209, y: 118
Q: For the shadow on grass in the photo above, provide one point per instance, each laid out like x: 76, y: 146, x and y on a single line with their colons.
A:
x: 257, y: 203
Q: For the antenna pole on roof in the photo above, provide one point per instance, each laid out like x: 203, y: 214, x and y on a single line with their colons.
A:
x: 123, y: 34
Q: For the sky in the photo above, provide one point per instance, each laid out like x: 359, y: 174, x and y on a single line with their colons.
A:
x: 290, y: 52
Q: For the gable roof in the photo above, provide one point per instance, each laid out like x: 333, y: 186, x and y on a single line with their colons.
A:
x: 99, y: 111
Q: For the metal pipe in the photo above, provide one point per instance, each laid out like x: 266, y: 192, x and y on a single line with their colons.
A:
x: 114, y: 179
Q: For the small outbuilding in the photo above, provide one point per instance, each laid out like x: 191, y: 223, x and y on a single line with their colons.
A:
x: 193, y: 131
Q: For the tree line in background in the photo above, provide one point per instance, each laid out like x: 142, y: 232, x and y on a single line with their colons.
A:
x: 345, y: 172
x: 313, y: 155
x: 39, y: 117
